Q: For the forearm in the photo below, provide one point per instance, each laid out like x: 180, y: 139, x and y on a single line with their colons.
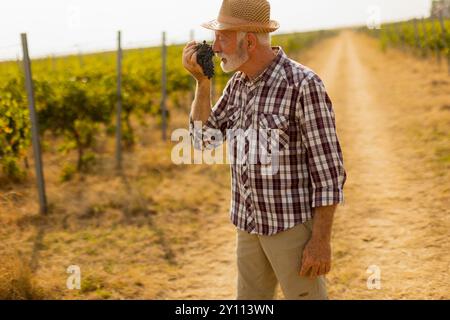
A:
x: 323, y: 222
x: 201, y: 106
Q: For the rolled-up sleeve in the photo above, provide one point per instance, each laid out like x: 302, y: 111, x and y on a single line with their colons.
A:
x: 325, y: 159
x: 211, y: 134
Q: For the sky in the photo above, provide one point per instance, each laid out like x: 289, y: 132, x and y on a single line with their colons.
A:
x: 61, y: 27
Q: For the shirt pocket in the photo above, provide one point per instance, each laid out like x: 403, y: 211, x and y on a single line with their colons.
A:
x: 233, y: 114
x: 273, y: 130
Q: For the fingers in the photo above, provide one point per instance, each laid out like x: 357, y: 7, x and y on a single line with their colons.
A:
x: 317, y: 269
x: 190, y: 60
x: 314, y: 271
x: 191, y: 55
x: 304, y: 270
x: 322, y: 269
x: 189, y: 51
x: 327, y: 268
x: 190, y: 45
x: 305, y: 267
x: 193, y: 59
x: 188, y: 57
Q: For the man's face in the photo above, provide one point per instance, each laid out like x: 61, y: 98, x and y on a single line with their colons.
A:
x: 230, y: 49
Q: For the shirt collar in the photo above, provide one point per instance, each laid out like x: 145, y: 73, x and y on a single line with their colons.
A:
x: 267, y: 74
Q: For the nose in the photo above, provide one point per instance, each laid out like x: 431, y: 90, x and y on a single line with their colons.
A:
x: 215, y: 46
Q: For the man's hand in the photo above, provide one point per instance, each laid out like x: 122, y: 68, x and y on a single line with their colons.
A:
x: 190, y: 61
x: 316, y: 257
x: 316, y: 260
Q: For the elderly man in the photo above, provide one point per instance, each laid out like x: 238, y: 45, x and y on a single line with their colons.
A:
x: 283, y: 217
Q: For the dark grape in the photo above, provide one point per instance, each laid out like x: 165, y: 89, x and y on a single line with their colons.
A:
x: 205, y: 56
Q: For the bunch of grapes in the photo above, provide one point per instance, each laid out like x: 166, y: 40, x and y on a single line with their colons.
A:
x: 205, y: 54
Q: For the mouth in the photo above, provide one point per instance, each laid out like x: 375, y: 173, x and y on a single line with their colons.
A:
x: 223, y: 60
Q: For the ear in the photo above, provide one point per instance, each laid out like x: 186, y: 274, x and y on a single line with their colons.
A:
x: 251, y: 42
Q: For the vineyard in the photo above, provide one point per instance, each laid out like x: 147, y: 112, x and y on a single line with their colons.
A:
x: 76, y: 97
x: 423, y: 37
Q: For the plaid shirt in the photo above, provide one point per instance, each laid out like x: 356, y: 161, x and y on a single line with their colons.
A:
x: 290, y: 100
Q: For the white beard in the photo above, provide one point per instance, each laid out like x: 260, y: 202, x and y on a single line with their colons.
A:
x: 234, y: 61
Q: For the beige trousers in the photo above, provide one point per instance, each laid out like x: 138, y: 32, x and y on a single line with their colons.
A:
x: 265, y: 261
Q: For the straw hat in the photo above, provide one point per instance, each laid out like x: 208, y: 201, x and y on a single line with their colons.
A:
x: 244, y: 15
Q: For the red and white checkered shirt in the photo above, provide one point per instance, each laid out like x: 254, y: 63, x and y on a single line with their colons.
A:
x: 287, y: 101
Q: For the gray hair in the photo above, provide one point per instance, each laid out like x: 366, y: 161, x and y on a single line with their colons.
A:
x: 263, y: 38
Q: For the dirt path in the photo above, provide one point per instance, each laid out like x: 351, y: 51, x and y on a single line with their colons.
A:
x: 385, y: 222
x: 396, y: 210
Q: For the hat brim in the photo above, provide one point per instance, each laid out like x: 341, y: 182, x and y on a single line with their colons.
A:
x: 247, y: 27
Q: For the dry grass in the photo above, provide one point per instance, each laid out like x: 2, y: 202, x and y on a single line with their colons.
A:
x: 17, y: 281
x: 126, y: 232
